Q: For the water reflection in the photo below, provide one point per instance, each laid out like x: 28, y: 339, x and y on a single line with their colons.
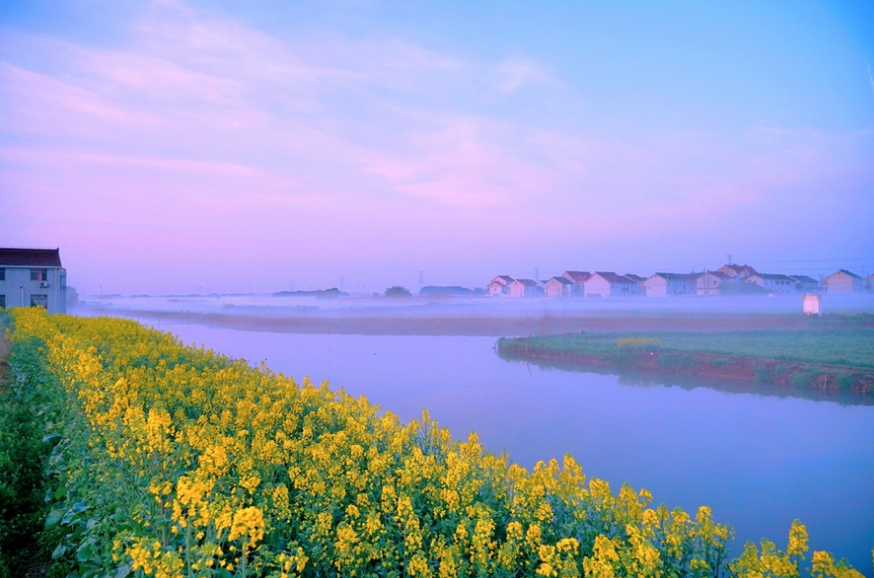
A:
x: 647, y: 379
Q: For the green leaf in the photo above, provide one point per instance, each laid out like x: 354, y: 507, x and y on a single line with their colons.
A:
x: 86, y: 552
x: 59, y: 551
x: 123, y: 571
x: 54, y: 517
x: 51, y: 438
x: 79, y: 507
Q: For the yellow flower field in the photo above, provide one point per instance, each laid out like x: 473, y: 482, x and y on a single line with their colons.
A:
x: 174, y: 461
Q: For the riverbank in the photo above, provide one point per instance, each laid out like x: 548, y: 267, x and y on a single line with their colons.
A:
x: 178, y: 390
x: 437, y: 319
x: 828, y: 360
x: 25, y: 547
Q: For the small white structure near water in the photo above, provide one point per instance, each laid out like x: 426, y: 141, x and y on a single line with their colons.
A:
x: 811, y: 305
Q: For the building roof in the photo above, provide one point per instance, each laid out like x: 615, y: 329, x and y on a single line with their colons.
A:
x: 717, y: 274
x: 774, y: 276
x: 803, y: 279
x: 577, y: 276
x: 613, y: 278
x: 675, y: 276
x: 526, y: 282
x: 562, y: 280
x: 635, y: 278
x: 503, y: 279
x: 739, y: 270
x: 30, y: 257
x: 845, y: 272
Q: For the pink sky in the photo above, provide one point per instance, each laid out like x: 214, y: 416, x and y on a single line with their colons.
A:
x: 196, y: 151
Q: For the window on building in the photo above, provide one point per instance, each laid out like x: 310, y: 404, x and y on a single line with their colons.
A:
x: 39, y: 301
x: 2, y: 301
x: 39, y: 274
x: 2, y: 274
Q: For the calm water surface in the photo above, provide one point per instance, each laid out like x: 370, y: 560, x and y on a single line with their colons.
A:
x: 758, y: 461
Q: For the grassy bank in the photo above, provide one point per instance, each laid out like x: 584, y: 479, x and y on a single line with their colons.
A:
x: 175, y: 461
x: 25, y: 414
x: 828, y: 358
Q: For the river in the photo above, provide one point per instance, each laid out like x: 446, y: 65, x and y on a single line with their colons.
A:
x: 758, y: 460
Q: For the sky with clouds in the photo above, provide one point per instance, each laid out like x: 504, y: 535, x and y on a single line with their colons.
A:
x: 183, y: 147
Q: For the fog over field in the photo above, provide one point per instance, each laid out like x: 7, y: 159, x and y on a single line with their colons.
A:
x: 475, y: 315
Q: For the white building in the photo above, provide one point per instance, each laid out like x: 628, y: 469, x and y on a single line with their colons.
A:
x: 525, y: 288
x: 33, y: 278
x: 774, y: 283
x: 578, y: 278
x: 499, y: 286
x: 670, y: 284
x: 559, y: 287
x: 805, y: 284
x: 608, y: 284
x: 842, y: 281
x: 709, y: 281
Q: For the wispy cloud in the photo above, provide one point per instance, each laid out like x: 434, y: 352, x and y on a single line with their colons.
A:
x: 518, y: 70
x: 195, y: 115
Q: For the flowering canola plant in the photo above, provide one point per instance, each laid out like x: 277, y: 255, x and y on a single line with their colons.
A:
x: 178, y: 462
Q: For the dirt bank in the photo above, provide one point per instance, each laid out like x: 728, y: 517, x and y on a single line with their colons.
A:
x: 383, y: 323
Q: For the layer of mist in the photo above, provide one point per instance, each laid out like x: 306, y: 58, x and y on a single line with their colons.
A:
x: 484, y: 315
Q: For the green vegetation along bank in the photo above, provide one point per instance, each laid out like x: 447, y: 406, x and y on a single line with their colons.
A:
x: 175, y: 462
x: 26, y: 413
x: 827, y: 359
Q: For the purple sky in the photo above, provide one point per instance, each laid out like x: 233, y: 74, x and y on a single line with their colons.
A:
x: 173, y: 147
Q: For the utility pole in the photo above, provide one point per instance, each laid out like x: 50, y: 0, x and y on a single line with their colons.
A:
x: 729, y: 259
x: 537, y: 274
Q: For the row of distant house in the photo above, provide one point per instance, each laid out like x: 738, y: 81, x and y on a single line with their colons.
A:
x: 727, y: 279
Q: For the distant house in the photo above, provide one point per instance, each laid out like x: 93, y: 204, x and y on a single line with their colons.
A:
x: 524, y: 288
x: 608, y: 284
x: 737, y: 271
x: 578, y: 278
x: 499, y: 285
x: 670, y: 284
x: 709, y: 281
x: 33, y: 278
x: 773, y: 283
x: 805, y: 284
x: 559, y: 287
x: 869, y: 282
x: 842, y: 281
x: 639, y: 282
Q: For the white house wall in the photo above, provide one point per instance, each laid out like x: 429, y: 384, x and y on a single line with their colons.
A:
x: 656, y: 287
x: 18, y: 288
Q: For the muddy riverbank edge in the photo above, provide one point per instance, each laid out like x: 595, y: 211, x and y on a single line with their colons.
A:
x: 382, y: 322
x: 817, y: 376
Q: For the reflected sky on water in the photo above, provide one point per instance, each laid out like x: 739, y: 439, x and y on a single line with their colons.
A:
x: 758, y: 460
